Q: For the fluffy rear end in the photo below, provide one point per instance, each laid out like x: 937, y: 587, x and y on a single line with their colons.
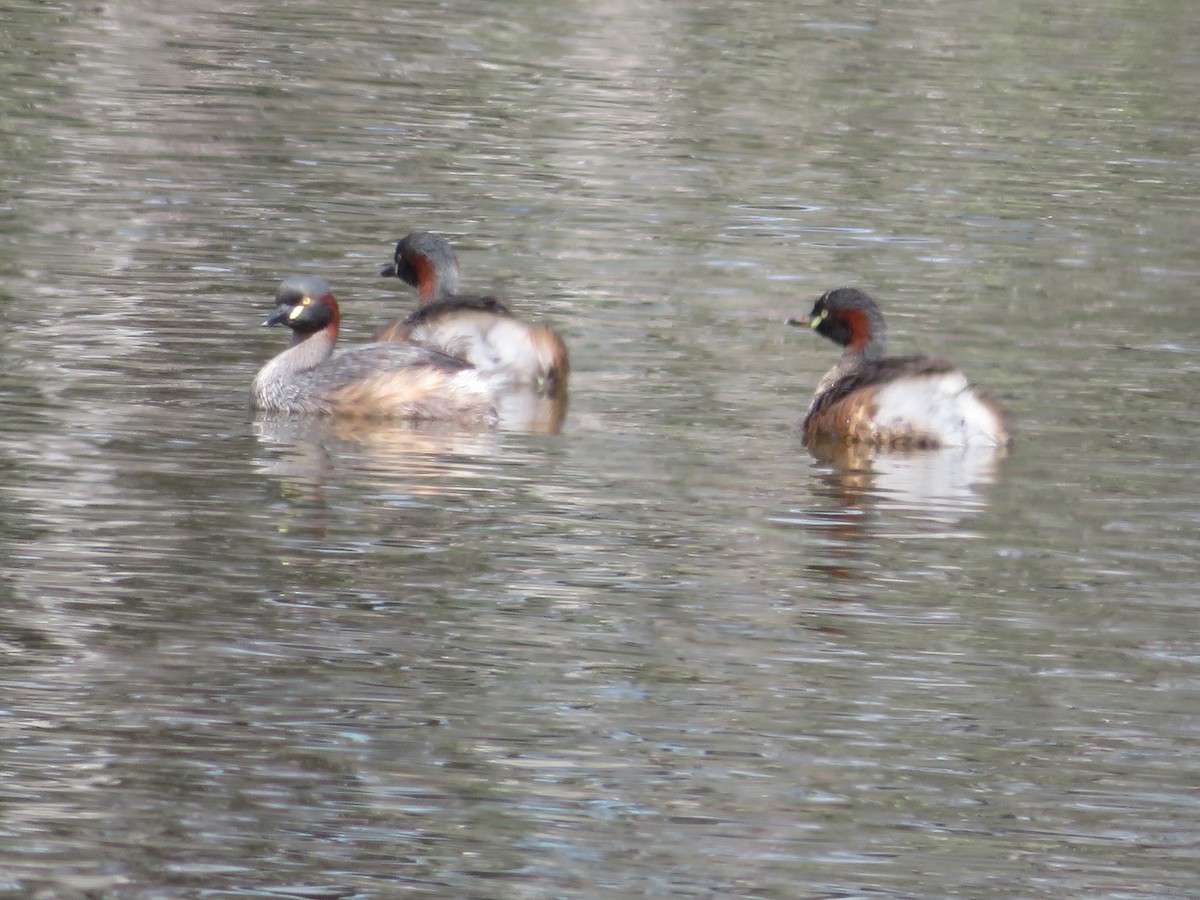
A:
x: 499, y: 346
x: 938, y: 409
x: 941, y: 410
x: 418, y: 394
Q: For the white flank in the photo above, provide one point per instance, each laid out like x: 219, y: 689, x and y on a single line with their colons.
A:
x: 496, y: 345
x: 942, y: 405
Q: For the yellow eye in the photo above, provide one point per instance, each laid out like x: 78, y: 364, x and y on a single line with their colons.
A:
x: 299, y: 308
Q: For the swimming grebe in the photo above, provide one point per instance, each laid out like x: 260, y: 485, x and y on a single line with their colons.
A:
x: 473, y: 327
x: 896, y: 402
x: 378, y: 380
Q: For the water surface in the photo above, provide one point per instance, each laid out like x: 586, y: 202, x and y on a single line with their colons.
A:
x: 665, y: 652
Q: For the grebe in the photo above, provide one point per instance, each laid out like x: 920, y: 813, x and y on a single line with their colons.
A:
x: 473, y: 327
x: 898, y: 402
x: 377, y: 380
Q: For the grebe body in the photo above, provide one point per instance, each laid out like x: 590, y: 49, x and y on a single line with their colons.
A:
x: 891, y: 402
x: 376, y: 380
x: 475, y: 328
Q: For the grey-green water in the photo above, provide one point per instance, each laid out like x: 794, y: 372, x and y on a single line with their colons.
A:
x: 665, y: 652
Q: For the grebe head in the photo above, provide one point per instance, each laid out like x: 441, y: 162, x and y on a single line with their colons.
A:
x: 850, y: 318
x: 305, y: 304
x: 427, y: 262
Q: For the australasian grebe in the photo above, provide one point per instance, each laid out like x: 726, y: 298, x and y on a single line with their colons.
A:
x: 377, y: 380
x: 895, y: 402
x: 473, y: 327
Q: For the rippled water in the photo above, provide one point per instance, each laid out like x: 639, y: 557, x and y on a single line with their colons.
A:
x: 666, y: 652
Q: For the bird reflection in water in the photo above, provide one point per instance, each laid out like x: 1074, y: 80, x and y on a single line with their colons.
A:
x: 945, y: 484
x: 303, y: 452
x: 879, y: 495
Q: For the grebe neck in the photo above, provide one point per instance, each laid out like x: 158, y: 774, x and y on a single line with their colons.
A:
x: 851, y: 360
x: 307, y: 351
x: 434, y: 282
x: 868, y: 340
x: 304, y: 352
